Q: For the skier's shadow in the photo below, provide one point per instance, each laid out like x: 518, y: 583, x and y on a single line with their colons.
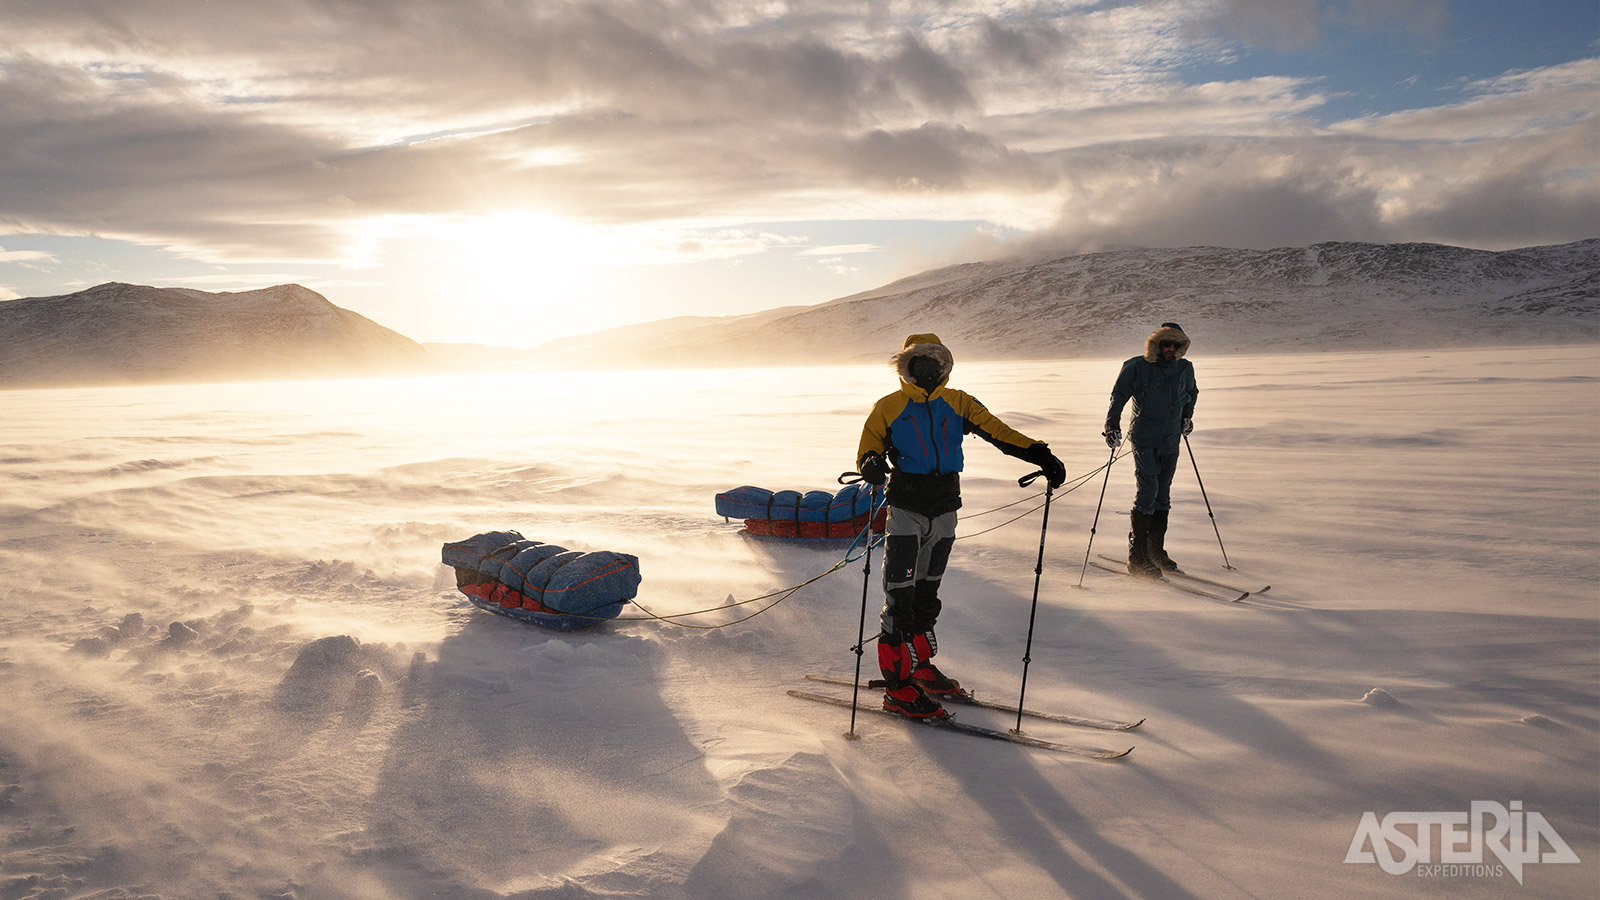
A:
x: 1040, y: 822
x: 506, y: 738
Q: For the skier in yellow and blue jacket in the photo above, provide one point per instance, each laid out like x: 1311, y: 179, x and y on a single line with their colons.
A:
x: 912, y: 440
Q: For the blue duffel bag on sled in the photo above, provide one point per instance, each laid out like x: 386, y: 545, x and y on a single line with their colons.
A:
x: 813, y: 515
x: 549, y: 586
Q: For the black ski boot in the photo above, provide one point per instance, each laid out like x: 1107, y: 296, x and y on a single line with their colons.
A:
x: 912, y: 703
x: 930, y: 680
x: 1139, y: 563
x: 1158, y: 541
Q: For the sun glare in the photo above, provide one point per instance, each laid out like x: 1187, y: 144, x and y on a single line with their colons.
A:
x: 525, y: 257
x: 533, y: 275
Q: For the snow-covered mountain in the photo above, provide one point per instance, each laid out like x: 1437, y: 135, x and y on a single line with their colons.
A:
x: 1326, y: 296
x: 127, y: 333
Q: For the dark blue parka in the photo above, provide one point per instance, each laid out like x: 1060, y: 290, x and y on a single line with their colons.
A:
x: 1163, y: 393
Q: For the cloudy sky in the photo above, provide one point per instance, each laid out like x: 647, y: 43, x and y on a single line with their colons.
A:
x: 510, y: 171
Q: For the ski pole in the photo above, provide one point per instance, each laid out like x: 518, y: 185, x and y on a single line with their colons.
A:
x: 1038, y: 571
x: 1208, y: 502
x: 1096, y: 523
x: 866, y: 584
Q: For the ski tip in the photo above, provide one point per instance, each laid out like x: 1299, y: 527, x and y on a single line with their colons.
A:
x: 1131, y: 726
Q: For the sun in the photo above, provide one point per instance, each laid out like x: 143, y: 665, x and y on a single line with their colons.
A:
x: 525, y: 261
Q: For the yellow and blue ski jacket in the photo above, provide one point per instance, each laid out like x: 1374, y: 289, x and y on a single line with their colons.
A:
x: 920, y: 431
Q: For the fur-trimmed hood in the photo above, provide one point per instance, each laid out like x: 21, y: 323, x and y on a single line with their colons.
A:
x: 1167, y: 332
x: 927, y: 345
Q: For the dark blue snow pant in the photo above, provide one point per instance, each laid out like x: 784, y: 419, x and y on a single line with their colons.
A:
x: 1153, y: 468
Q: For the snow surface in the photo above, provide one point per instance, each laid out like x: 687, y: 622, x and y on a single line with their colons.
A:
x: 231, y: 664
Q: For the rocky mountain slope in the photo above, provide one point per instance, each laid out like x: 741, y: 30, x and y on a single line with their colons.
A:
x: 126, y: 334
x: 1326, y: 296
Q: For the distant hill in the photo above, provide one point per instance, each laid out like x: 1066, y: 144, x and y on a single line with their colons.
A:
x: 132, y: 334
x: 1323, y: 297
x: 1330, y: 296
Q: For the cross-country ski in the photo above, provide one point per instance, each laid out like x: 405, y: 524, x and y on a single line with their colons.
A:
x: 1186, y: 588
x: 1201, y: 579
x: 974, y: 730
x: 966, y: 698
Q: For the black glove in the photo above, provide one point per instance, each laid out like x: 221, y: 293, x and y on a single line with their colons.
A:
x: 1113, y: 438
x: 1054, y: 471
x: 1188, y: 427
x: 874, y: 469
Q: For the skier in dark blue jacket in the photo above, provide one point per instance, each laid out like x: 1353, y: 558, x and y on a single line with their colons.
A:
x: 1162, y: 387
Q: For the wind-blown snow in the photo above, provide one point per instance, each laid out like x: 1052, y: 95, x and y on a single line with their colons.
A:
x: 232, y: 665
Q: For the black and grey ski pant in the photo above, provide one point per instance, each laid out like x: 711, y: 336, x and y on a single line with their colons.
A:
x: 918, y: 547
